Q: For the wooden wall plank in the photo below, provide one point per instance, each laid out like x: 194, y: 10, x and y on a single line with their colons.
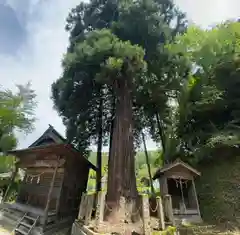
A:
x: 41, y: 163
x: 40, y: 190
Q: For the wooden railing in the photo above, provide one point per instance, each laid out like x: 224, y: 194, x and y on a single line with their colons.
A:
x: 163, y: 208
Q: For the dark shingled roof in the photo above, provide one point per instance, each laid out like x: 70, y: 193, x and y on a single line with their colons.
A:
x: 50, y: 133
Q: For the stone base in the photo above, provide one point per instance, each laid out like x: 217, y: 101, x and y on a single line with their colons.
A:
x: 188, y: 219
x: 79, y: 229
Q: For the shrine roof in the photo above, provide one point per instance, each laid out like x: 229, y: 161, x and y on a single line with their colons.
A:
x: 66, y: 150
x: 177, y: 162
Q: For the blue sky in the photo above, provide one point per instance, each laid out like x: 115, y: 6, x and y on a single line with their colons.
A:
x: 33, y: 40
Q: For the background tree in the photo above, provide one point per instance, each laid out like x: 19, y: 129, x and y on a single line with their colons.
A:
x: 16, y: 114
x: 207, y: 110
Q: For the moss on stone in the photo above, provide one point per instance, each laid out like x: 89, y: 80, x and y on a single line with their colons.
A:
x: 170, y: 230
x: 219, y: 191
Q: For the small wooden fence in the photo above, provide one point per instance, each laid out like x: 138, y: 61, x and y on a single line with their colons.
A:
x: 86, y: 208
x: 95, y: 204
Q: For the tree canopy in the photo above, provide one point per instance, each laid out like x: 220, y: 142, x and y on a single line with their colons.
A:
x: 150, y: 24
x: 117, y: 78
x: 208, y: 106
x: 16, y: 114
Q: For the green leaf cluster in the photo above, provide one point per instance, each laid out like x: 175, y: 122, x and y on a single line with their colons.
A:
x: 16, y: 114
x: 207, y: 116
x: 107, y: 57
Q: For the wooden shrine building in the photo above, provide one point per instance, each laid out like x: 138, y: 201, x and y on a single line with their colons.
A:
x: 177, y: 182
x: 55, y: 177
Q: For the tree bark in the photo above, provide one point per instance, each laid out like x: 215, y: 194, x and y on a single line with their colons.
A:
x: 148, y: 164
x: 112, y: 126
x: 161, y: 132
x: 99, y: 145
x: 121, y: 170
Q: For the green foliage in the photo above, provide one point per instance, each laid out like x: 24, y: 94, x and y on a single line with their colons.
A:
x: 6, y: 163
x: 141, y: 170
x: 106, y: 57
x: 140, y: 159
x: 16, y: 114
x: 207, y: 47
x: 16, y: 110
x: 137, y: 24
x: 170, y: 230
x: 206, y: 114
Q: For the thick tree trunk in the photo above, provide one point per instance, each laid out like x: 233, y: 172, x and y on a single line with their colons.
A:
x: 99, y: 145
x: 148, y: 164
x: 113, y: 108
x: 121, y: 170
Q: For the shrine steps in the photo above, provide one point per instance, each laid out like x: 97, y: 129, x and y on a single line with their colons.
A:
x: 10, y: 218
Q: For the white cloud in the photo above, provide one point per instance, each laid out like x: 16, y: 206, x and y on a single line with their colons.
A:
x: 39, y: 61
x: 209, y: 12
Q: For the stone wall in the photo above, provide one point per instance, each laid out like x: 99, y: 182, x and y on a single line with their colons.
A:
x: 219, y: 191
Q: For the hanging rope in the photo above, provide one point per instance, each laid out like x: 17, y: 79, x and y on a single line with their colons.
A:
x: 183, y: 200
x: 180, y: 182
x: 38, y: 176
x: 153, y: 210
x: 132, y: 213
x: 136, y: 212
x: 108, y: 208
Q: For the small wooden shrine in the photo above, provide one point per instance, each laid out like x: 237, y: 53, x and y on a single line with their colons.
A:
x: 177, y: 181
x: 56, y: 175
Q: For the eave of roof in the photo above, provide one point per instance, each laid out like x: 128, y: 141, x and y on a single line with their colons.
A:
x: 61, y: 149
x: 174, y: 164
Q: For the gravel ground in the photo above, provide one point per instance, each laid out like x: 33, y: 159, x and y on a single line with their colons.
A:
x: 4, y: 231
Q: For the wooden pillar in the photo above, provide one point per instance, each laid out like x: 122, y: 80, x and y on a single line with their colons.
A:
x: 169, y: 209
x: 81, y: 207
x: 45, y: 217
x: 196, y: 197
x: 59, y: 197
x: 160, y: 213
x: 14, y: 174
x: 163, y: 185
x: 146, y: 215
x: 100, y: 209
x: 88, y: 214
